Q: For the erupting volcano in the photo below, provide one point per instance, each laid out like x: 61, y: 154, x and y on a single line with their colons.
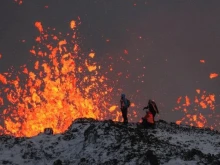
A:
x: 63, y: 84
x: 141, y: 49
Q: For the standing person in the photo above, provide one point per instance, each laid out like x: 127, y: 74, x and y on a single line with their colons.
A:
x: 125, y: 103
x: 152, y: 108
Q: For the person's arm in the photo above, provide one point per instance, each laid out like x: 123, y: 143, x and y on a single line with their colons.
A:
x: 146, y: 107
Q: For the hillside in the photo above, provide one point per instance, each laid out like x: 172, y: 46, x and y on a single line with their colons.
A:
x: 88, y: 141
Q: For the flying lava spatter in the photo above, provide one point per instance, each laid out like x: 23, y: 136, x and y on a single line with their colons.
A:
x: 58, y: 85
x: 61, y: 83
x: 194, y: 110
x: 213, y: 75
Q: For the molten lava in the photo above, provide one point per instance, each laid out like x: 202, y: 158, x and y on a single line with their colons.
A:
x: 58, y: 85
x: 193, y: 112
x: 213, y: 75
x: 202, y: 61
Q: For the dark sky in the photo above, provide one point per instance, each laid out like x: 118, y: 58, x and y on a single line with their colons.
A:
x: 169, y: 38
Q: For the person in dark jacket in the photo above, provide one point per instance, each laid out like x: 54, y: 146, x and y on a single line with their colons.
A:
x: 152, y: 108
x: 124, y: 108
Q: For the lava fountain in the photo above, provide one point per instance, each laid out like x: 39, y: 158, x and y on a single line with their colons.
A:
x: 59, y: 84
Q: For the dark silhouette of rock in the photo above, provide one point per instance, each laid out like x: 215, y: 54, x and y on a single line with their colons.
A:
x: 57, y: 162
x: 152, y: 158
x: 48, y: 131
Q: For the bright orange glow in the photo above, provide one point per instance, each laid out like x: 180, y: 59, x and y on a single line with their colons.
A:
x: 178, y: 122
x: 113, y: 108
x: 202, y: 61
x: 187, y: 101
x: 73, y: 24
x: 3, y: 79
x: 213, y: 75
x: 39, y: 26
x: 192, y: 111
x: 198, y: 91
x: 179, y: 99
x: 132, y: 105
x: 61, y: 86
x: 1, y: 101
x: 92, y: 55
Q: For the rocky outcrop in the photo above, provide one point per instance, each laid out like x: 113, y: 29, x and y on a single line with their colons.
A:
x: 88, y: 141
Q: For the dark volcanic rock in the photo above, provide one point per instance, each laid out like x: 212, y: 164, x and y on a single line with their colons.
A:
x: 89, y: 141
x: 48, y: 131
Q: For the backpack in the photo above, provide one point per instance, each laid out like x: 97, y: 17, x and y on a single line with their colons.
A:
x: 155, y: 109
x: 128, y: 103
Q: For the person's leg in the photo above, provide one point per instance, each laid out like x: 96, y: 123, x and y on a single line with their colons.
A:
x: 123, y: 114
x: 126, y: 115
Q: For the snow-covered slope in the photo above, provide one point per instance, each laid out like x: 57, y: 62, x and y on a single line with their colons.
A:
x: 88, y: 141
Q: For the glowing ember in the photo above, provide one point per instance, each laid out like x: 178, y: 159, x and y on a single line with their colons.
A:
x: 202, y: 61
x: 198, y: 91
x: 73, y: 24
x: 39, y: 26
x: 193, y: 120
x: 0, y: 56
x: 19, y: 1
x: 62, y: 85
x: 3, y: 79
x: 125, y: 51
x: 193, y: 114
x: 213, y: 75
x: 113, y: 108
x: 92, y: 55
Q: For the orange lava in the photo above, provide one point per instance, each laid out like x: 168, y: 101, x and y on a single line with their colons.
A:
x: 59, y: 85
x: 213, y: 75
x: 197, y: 120
x: 194, y: 111
x: 202, y: 61
x: 73, y: 24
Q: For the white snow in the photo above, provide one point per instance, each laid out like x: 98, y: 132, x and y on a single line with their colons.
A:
x: 180, y: 162
x: 206, y: 143
x: 98, y: 142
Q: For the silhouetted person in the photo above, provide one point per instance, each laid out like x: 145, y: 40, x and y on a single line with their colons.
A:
x: 152, y: 108
x: 124, y: 108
